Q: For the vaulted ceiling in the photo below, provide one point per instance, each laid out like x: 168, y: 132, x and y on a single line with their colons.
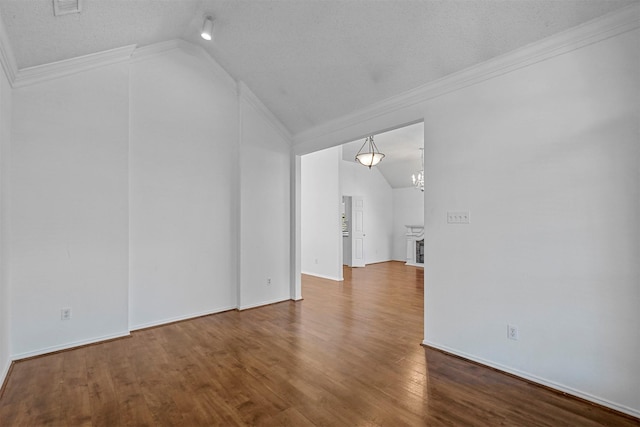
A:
x: 309, y: 61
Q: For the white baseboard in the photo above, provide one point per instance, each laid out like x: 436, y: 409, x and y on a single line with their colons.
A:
x: 543, y: 381
x: 5, y: 371
x: 414, y: 264
x: 68, y: 346
x: 260, y: 304
x: 322, y: 276
x: 179, y: 318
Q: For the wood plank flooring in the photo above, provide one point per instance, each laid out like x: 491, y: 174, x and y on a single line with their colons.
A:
x: 348, y: 355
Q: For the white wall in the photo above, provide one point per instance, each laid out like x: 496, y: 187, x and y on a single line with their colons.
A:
x: 184, y: 129
x: 320, y: 206
x: 69, y: 210
x: 377, y: 195
x: 5, y: 136
x: 125, y: 198
x: 547, y: 162
x: 265, y: 157
x: 124, y: 193
x: 408, y: 209
x: 325, y: 179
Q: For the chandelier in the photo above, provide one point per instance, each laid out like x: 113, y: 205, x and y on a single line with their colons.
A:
x: 372, y: 156
x: 418, y: 178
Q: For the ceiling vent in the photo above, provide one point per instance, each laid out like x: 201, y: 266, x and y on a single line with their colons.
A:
x: 65, y: 7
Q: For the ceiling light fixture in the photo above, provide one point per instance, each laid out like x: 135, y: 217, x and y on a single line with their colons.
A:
x: 418, y: 178
x: 372, y: 156
x: 207, y: 28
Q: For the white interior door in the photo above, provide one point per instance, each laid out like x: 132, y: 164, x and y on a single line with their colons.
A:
x: 357, y: 231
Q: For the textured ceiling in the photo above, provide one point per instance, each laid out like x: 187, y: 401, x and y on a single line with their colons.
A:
x: 309, y: 61
x: 38, y: 37
x: 401, y: 148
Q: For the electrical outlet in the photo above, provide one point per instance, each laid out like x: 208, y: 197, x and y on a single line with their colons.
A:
x: 65, y: 314
x: 316, y: 260
x: 269, y: 281
x: 512, y: 332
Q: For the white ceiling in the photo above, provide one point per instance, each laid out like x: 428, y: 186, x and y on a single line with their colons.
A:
x: 309, y: 61
x: 401, y: 148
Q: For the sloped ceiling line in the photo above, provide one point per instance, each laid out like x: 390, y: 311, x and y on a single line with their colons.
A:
x: 146, y: 52
x: 274, y: 122
x: 617, y: 22
x: 40, y: 73
x: 7, y: 58
x: 612, y: 24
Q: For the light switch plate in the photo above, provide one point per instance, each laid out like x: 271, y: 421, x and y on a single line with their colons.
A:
x: 458, y: 217
x: 65, y: 313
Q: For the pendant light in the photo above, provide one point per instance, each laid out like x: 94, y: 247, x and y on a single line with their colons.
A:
x: 372, y: 156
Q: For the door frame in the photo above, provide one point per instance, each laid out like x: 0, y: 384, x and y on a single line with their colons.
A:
x: 355, y: 130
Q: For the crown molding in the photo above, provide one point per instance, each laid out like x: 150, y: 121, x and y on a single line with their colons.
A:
x: 145, y: 52
x: 67, y: 67
x: 607, y: 26
x: 247, y: 95
x: 7, y: 59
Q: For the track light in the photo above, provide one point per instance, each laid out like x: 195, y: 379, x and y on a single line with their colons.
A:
x: 207, y: 28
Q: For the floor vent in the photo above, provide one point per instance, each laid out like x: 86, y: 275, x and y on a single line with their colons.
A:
x: 65, y: 7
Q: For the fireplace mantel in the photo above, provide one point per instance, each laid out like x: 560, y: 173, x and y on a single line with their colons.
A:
x: 414, y: 234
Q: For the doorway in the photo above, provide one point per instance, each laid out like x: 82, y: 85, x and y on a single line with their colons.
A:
x: 346, y: 231
x: 353, y: 231
x: 329, y: 181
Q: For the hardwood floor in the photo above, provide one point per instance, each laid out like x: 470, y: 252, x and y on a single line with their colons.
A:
x: 348, y: 355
